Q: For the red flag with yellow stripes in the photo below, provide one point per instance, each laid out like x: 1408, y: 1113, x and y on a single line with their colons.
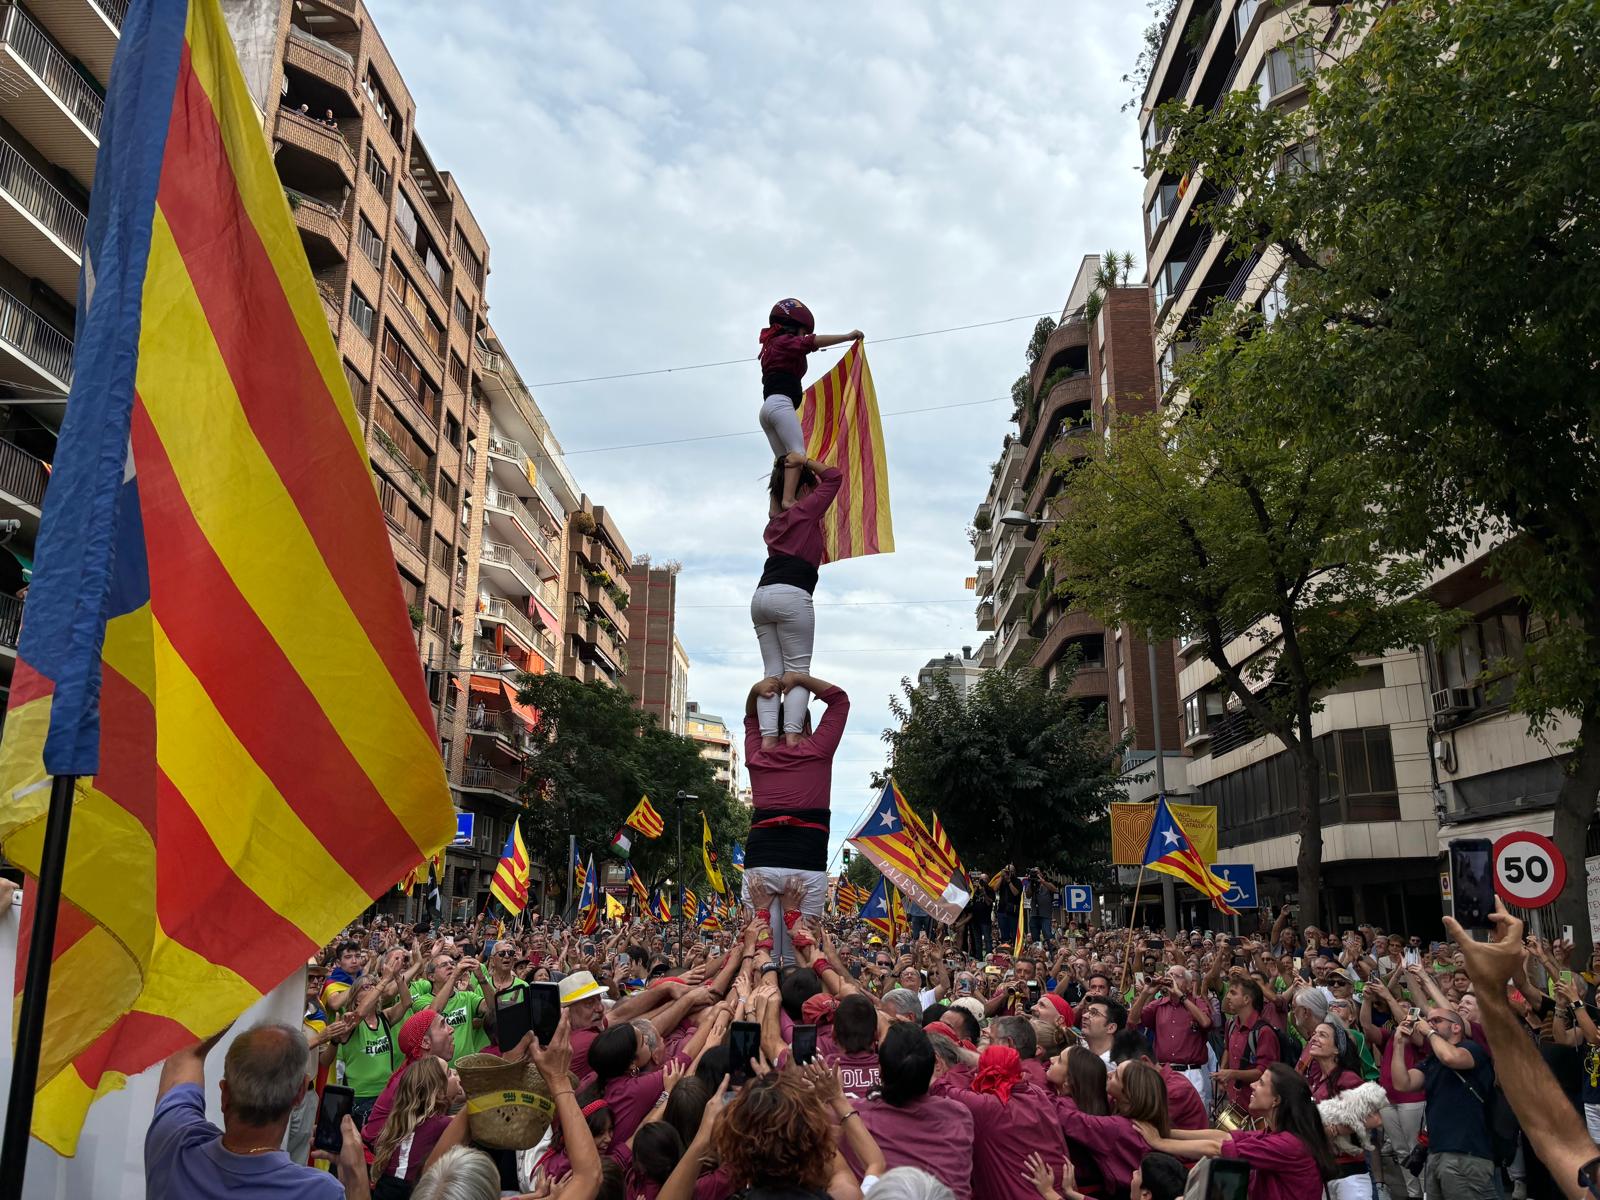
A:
x: 215, y: 641
x: 839, y: 417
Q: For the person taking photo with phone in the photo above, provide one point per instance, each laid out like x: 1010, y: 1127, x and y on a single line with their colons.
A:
x: 1178, y: 1022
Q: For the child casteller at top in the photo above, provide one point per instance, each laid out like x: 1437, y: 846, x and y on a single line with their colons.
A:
x: 790, y: 335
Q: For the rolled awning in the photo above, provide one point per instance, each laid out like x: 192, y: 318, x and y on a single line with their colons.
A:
x: 521, y: 709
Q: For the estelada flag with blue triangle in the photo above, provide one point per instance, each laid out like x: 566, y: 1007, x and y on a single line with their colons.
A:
x: 1170, y: 851
x: 589, y: 902
x: 706, y: 918
x: 637, y: 885
x: 211, y: 504
x: 660, y: 909
x: 879, y: 912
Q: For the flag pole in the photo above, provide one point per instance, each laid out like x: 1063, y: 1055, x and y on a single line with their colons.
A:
x: 35, y: 986
x: 1133, y: 916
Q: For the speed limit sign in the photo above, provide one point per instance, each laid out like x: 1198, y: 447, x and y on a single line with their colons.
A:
x: 1528, y: 869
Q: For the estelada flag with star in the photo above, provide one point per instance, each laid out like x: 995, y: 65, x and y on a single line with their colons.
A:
x: 896, y: 841
x: 1170, y: 851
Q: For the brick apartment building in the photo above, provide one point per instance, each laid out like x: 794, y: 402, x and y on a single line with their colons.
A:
x: 658, y: 669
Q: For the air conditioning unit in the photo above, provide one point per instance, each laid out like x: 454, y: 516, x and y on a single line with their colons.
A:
x: 1453, y: 701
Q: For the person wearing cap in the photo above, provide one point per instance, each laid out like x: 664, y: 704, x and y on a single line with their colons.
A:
x: 1457, y: 1080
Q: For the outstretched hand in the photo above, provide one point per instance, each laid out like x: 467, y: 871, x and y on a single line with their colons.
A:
x: 1490, y: 965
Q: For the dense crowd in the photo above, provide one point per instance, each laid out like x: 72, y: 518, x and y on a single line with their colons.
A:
x: 1097, y: 1063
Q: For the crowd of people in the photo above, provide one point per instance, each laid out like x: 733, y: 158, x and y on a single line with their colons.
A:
x: 1094, y: 1064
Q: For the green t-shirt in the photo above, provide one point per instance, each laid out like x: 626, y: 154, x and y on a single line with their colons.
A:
x: 421, y: 996
x: 369, y: 1057
x: 458, y: 1012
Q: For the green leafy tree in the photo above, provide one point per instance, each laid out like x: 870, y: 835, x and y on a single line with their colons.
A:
x: 596, y: 752
x: 1017, y: 771
x: 861, y: 872
x: 1438, y: 215
x: 1235, y: 519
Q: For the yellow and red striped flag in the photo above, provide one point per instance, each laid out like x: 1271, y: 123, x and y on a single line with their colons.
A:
x: 839, y: 416
x: 215, y: 641
x: 895, y: 840
x: 510, y: 883
x: 638, y: 887
x: 646, y: 819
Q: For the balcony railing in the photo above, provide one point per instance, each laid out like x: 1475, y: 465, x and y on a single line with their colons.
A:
x: 31, y: 336
x: 500, y: 610
x: 41, y: 199
x: 501, y: 724
x: 502, y: 555
x: 312, y: 41
x: 505, y: 502
x: 29, y: 43
x: 10, y: 621
x: 506, y: 448
x: 488, y: 777
x: 116, y: 11
x: 22, y: 475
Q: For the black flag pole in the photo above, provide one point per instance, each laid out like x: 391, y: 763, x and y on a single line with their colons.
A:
x: 35, y: 985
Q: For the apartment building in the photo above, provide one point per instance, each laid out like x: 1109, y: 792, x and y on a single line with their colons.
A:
x: 658, y: 667
x: 963, y: 669
x: 596, y: 621
x: 1096, y: 364
x: 55, y: 58
x: 717, y: 744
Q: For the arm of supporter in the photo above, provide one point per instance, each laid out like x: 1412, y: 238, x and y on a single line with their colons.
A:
x: 765, y: 686
x: 713, y: 1024
x: 1185, y: 1143
x: 829, y: 1088
x: 188, y: 1065
x: 443, y: 991
x: 1280, y: 924
x: 1403, y: 1078
x: 554, y: 1062
x: 1457, y: 1058
x: 642, y: 1003
x: 1551, y: 1124
x: 821, y: 340
x: 1430, y: 988
x: 396, y: 1012
x: 772, y: 1043
x: 829, y: 480
x: 1199, y: 1013
x: 998, y: 1001
x: 670, y: 1017
x: 1136, y: 1014
x: 1369, y: 1029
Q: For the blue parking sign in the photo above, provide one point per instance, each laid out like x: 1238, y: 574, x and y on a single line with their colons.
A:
x: 1076, y: 898
x: 1243, y: 878
x: 464, y: 828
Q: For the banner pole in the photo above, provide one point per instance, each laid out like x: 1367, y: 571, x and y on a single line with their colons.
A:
x: 35, y: 986
x: 1127, y: 953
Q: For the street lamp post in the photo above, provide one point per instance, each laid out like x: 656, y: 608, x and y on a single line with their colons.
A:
x: 682, y: 874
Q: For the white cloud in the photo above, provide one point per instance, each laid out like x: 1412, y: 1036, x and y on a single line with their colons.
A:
x: 652, y: 176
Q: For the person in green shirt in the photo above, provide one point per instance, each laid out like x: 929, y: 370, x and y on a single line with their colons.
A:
x: 460, y: 1003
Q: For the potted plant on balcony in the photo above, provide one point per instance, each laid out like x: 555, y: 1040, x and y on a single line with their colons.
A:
x: 583, y: 523
x: 416, y: 616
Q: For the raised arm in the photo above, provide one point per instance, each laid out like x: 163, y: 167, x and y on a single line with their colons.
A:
x: 1548, y: 1121
x: 823, y: 340
x: 188, y: 1065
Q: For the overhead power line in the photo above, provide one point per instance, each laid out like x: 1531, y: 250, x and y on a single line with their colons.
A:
x: 749, y: 358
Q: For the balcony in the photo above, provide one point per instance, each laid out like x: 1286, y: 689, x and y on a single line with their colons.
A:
x: 985, y: 616
x: 322, y: 227
x: 521, y: 627
x: 22, y: 482
x: 312, y: 156
x: 1070, y: 334
x: 1014, y: 550
x: 509, y: 461
x: 497, y: 723
x: 33, y: 352
x: 92, y: 28
x: 10, y: 624
x: 40, y: 226
x: 511, y: 518
x: 47, y: 100
x: 509, y: 570
x: 322, y: 60
x: 1016, y: 645
x: 478, y: 778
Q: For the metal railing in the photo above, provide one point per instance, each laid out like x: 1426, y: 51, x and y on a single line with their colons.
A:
x: 503, y: 555
x: 312, y: 41
x: 22, y: 475
x: 30, y: 335
x: 506, y: 448
x: 29, y: 43
x: 488, y: 777
x: 37, y: 196
x: 505, y: 502
x: 116, y: 11
x: 10, y: 621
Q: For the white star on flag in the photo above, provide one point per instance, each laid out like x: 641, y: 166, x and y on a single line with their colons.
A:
x: 888, y: 820
x: 1171, y: 837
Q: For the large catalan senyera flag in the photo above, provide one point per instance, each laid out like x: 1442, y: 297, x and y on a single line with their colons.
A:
x: 509, y: 886
x: 839, y: 417
x: 896, y: 841
x: 1171, y: 852
x: 215, y: 641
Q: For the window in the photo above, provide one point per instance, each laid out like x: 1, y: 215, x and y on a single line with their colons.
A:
x: 369, y: 241
x: 449, y: 492
x: 470, y: 262
x: 383, y: 106
x: 443, y: 556
x: 1297, y: 160
x: 1161, y: 206
x: 377, y: 172
x: 361, y: 313
x: 1167, y: 280
x: 408, y: 371
x: 1285, y: 68
x: 458, y: 375
x: 452, y: 434
x: 411, y: 452
x: 463, y: 313
x: 358, y: 385
x: 1243, y: 15
x: 1485, y: 657
x: 406, y: 521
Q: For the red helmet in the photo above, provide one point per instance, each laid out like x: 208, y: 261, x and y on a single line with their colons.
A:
x: 792, y: 312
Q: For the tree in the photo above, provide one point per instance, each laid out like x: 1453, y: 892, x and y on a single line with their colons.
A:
x: 1439, y: 222
x: 861, y: 872
x: 596, y: 752
x: 1017, y: 771
x: 1234, y: 518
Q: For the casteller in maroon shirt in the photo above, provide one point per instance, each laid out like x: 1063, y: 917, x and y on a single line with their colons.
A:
x: 1005, y: 1133
x: 791, y: 789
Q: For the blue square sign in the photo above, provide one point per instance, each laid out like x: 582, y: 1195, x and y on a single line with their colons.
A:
x: 1077, y: 898
x: 464, y: 828
x: 1243, y: 878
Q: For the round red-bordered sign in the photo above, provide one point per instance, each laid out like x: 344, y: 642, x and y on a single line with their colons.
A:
x: 1528, y: 869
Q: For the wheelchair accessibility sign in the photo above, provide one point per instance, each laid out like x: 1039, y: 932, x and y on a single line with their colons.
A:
x: 1242, y: 878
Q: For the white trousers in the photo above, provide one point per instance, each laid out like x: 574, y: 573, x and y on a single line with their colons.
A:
x: 1200, y: 1081
x: 786, y: 629
x: 780, y: 421
x: 1352, y: 1187
x: 776, y: 890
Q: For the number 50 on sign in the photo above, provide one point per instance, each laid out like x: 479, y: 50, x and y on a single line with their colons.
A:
x: 1528, y: 869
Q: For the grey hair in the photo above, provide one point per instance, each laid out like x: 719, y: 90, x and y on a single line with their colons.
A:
x: 646, y: 1032
x: 460, y: 1174
x: 903, y: 1000
x: 910, y: 1183
x: 945, y: 1050
x: 266, y: 1070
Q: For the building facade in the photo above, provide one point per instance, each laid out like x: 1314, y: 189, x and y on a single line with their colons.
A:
x: 595, y: 644
x: 1096, y: 364
x: 654, y: 677
x: 963, y: 670
x: 717, y: 744
x: 678, y: 715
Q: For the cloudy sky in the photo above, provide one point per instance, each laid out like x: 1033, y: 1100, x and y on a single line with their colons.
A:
x: 652, y: 176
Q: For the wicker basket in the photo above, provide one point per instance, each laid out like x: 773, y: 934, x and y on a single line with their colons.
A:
x: 508, y: 1103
